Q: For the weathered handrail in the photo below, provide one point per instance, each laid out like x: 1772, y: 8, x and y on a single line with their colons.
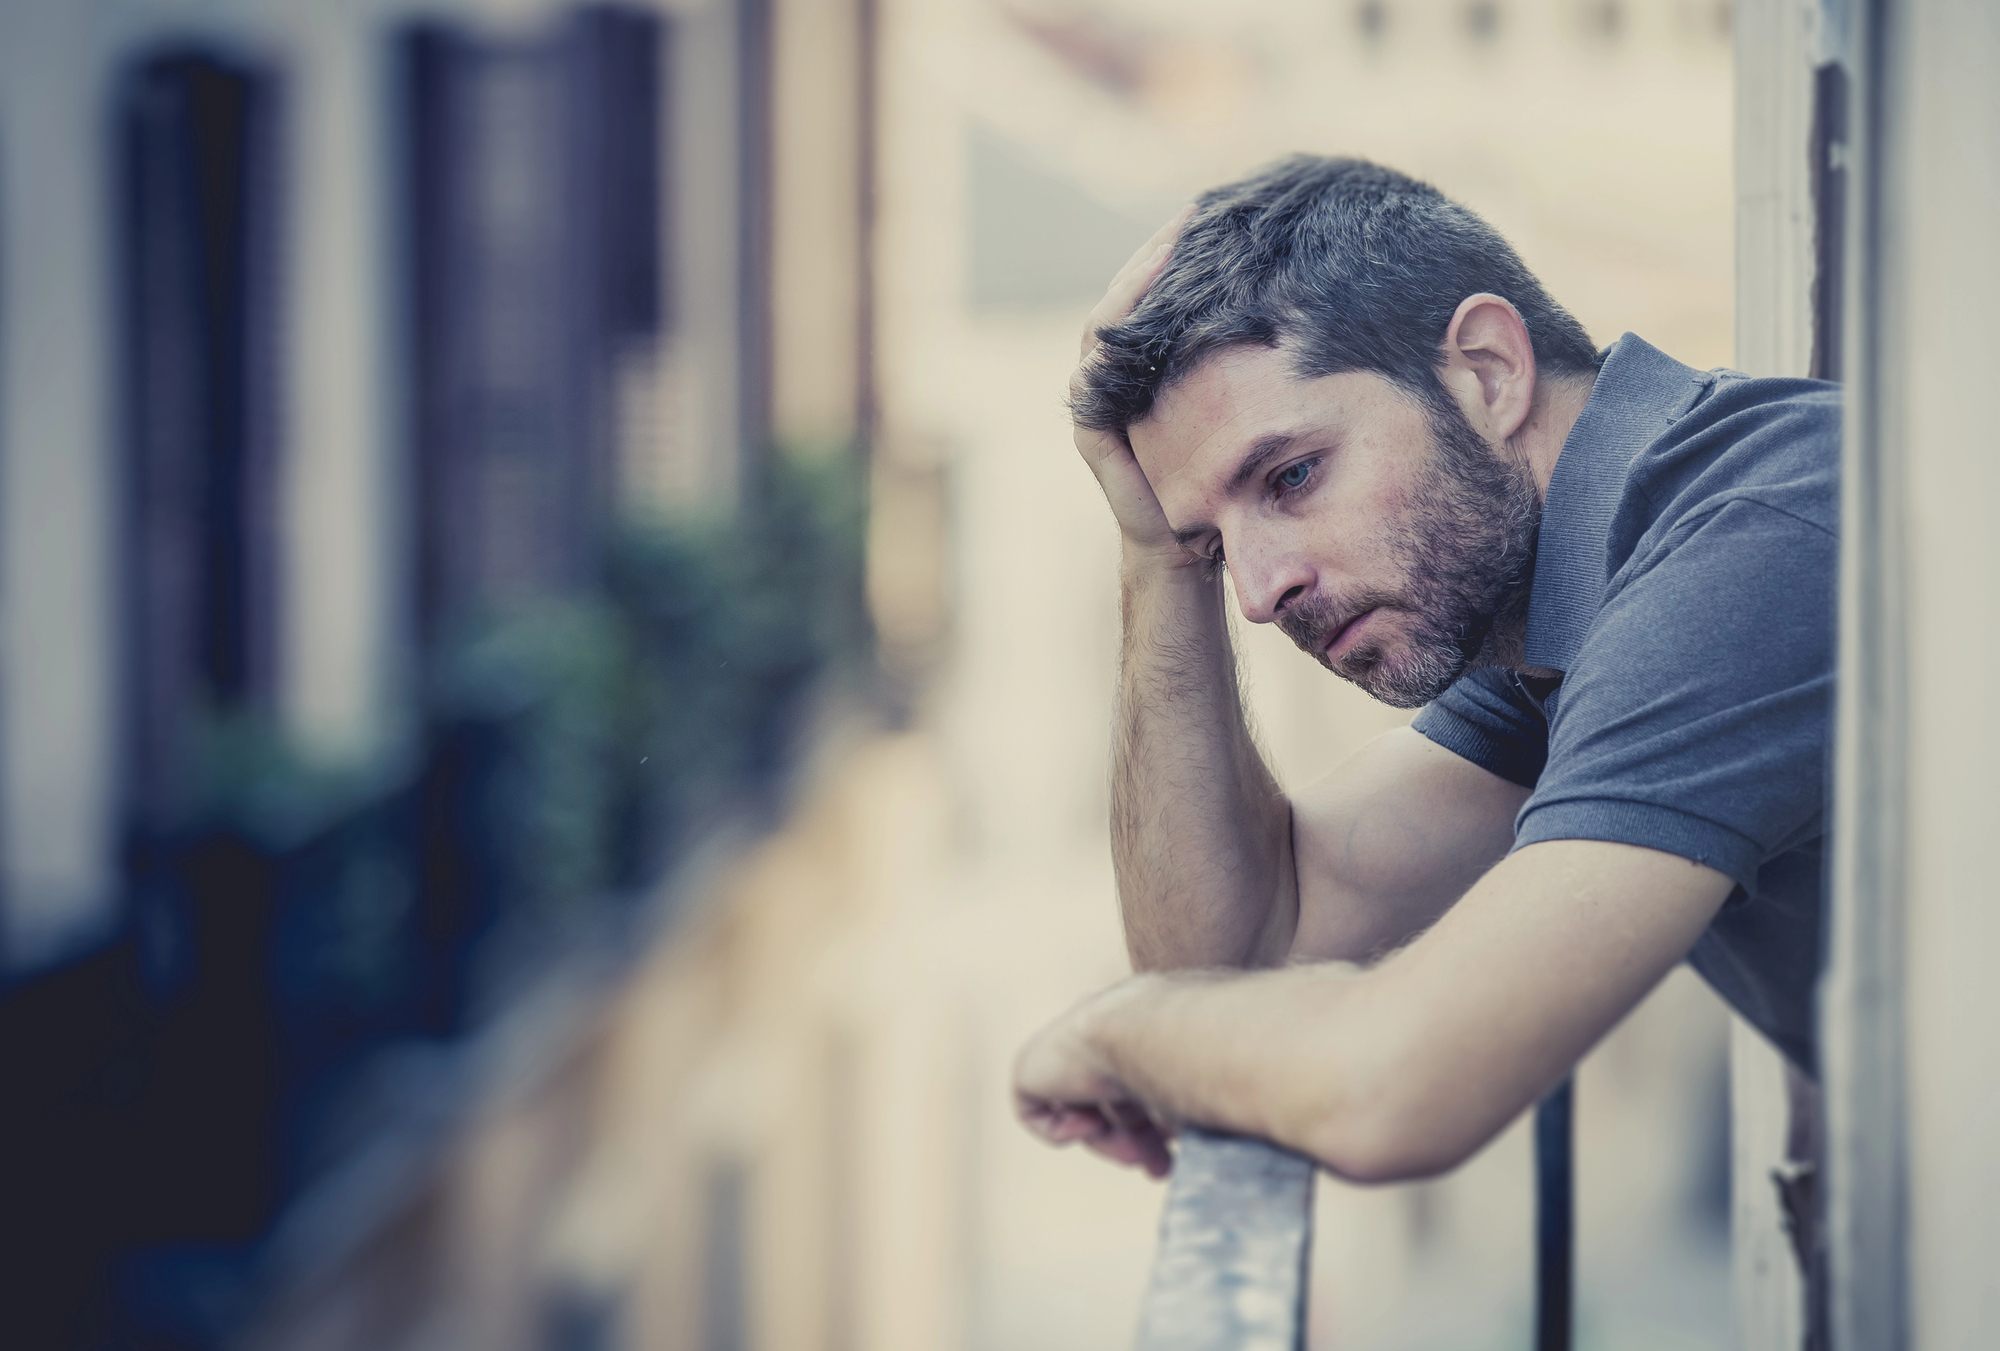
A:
x: 1235, y: 1240
x: 1236, y: 1243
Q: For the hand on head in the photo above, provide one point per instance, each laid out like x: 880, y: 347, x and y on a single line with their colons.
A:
x: 1108, y: 453
x: 1133, y: 281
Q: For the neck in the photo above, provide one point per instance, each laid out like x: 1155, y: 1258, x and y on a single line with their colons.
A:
x: 1539, y: 443
x: 1558, y: 404
x: 1507, y: 645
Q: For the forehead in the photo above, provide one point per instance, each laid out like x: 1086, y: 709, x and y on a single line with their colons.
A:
x: 1199, y: 429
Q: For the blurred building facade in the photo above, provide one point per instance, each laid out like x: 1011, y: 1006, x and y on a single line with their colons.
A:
x: 433, y: 481
x: 378, y: 379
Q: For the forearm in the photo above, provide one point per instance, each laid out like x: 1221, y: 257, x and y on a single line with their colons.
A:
x: 1333, y: 1061
x: 1201, y: 832
x: 1403, y: 1069
x: 1276, y: 1055
x: 1388, y: 842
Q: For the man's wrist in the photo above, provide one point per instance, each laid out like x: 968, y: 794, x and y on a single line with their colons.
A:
x: 1140, y: 563
x: 1100, y: 1018
x: 1116, y: 1020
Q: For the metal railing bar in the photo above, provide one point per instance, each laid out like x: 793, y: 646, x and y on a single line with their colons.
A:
x: 1235, y: 1247
x: 1555, y: 1220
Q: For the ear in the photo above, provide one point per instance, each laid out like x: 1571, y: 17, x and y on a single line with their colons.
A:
x: 1489, y: 365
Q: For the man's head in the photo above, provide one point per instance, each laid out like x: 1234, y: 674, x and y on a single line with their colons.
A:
x: 1332, y: 380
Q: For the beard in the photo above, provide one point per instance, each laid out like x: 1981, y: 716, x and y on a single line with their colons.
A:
x: 1467, y: 548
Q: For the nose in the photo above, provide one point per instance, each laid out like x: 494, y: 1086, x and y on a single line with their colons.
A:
x: 1268, y: 582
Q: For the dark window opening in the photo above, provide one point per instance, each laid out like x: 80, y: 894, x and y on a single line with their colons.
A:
x: 533, y: 193
x: 196, y: 237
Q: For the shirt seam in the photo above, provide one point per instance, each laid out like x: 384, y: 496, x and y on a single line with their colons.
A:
x: 1529, y: 809
x: 1653, y: 501
x: 1720, y: 507
x: 1699, y: 519
x: 1740, y: 865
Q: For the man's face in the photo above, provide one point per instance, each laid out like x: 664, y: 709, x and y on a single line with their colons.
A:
x: 1386, y: 539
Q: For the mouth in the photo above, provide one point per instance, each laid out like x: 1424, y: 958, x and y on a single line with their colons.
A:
x: 1345, y: 636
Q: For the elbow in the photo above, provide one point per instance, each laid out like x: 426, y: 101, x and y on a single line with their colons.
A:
x: 1397, y: 1129
x: 1380, y: 1160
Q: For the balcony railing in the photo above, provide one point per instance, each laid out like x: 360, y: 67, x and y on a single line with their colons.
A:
x: 1235, y: 1257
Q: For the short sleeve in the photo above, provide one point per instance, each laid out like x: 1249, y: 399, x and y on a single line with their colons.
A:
x: 1488, y: 719
x: 1694, y: 718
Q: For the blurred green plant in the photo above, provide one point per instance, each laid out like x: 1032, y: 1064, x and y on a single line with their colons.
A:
x: 621, y: 719
x: 572, y: 745
x: 252, y: 780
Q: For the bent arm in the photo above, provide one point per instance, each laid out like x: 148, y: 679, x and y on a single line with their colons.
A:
x: 1402, y: 1070
x: 1217, y: 868
x: 1200, y: 832
x: 1386, y: 844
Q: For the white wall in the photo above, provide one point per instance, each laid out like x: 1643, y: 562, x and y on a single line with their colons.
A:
x: 56, y: 627
x: 346, y: 632
x: 1912, y: 1068
x: 1941, y: 295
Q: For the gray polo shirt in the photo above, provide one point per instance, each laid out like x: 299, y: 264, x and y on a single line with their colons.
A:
x: 1684, y: 586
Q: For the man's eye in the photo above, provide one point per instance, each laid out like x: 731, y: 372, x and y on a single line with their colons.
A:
x: 1295, y: 476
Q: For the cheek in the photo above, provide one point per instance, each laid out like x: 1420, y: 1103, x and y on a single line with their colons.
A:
x: 1386, y: 495
x: 1358, y: 523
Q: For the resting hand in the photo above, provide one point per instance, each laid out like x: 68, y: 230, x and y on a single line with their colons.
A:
x: 1109, y: 454
x: 1065, y: 1091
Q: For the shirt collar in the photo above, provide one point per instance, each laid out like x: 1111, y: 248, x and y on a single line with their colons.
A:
x: 1640, y: 390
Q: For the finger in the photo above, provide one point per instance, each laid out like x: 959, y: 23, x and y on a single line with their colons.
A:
x: 1076, y: 1123
x: 1162, y: 238
x: 1158, y: 1158
x: 1115, y: 1146
x: 1149, y: 1139
x: 1125, y: 291
x: 1060, y: 1123
x: 1126, y: 1116
x: 1134, y: 279
x: 1111, y: 458
x: 1142, y: 1148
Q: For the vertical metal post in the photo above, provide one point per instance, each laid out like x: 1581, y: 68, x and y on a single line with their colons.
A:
x: 1555, y: 1220
x: 1862, y: 998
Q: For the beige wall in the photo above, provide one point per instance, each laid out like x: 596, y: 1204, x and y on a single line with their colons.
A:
x: 1922, y: 569
x: 817, y: 237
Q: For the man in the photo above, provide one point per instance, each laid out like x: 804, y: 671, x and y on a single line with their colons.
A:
x: 1607, y: 579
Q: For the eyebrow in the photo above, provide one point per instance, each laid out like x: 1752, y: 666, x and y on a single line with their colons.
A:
x: 1262, y: 451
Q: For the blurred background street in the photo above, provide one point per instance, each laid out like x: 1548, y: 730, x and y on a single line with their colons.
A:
x: 556, y: 657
